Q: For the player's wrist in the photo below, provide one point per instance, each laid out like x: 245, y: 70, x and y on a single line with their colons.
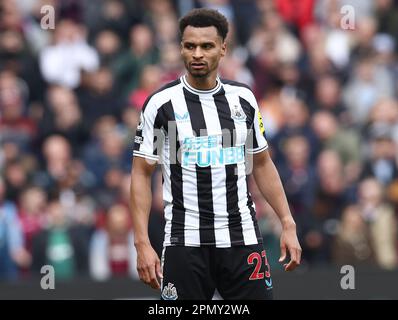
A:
x: 139, y: 243
x: 288, y: 223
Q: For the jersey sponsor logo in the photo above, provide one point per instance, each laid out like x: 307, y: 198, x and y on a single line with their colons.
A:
x: 207, y: 151
x: 215, y: 158
x: 169, y: 292
x: 142, y: 122
x: 237, y: 113
x: 202, y: 142
x: 260, y: 122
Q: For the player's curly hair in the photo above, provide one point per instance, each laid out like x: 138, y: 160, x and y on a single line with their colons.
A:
x: 203, y: 17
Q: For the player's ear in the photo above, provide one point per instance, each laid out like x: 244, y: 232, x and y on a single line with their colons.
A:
x: 223, y: 48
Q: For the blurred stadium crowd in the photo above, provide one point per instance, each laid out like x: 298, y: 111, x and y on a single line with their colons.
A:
x: 70, y: 100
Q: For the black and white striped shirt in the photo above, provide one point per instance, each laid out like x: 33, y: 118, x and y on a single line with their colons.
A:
x: 201, y: 138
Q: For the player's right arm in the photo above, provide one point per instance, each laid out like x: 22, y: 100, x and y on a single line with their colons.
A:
x: 144, y: 163
x: 148, y: 263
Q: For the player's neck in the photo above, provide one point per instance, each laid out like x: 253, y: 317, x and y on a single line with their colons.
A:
x: 205, y: 83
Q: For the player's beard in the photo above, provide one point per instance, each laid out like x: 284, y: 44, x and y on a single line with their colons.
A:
x: 198, y: 73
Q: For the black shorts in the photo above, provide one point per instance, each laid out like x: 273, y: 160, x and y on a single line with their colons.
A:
x: 238, y: 273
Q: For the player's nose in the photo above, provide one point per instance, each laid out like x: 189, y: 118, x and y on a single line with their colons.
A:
x: 197, y: 53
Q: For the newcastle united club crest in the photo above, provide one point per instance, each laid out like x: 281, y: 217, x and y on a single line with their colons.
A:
x: 237, y: 113
x: 169, y: 292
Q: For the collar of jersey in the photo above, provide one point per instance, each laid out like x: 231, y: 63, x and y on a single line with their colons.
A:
x: 197, y: 91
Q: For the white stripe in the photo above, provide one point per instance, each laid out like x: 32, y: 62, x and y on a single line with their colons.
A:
x: 145, y: 155
x: 189, y: 180
x: 213, y: 126
x: 167, y: 196
x: 161, y: 266
x: 249, y: 233
x: 192, y: 224
x: 257, y: 150
x: 168, y: 215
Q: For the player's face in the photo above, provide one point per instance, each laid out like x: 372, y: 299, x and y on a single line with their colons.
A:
x: 201, y: 50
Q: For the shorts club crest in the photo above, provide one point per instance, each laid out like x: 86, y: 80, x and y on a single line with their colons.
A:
x: 169, y: 292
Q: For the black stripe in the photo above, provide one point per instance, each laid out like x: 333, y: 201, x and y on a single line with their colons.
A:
x: 231, y: 170
x: 250, y: 114
x: 253, y: 212
x: 195, y: 113
x: 166, y: 86
x: 139, y: 132
x: 178, y: 219
x: 203, y: 174
x: 248, y: 110
x: 234, y: 83
x: 158, y: 124
x: 137, y: 145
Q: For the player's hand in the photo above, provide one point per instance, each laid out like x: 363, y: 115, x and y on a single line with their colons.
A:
x: 289, y: 243
x: 148, y: 265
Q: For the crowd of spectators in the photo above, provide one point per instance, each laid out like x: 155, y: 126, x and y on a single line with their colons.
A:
x: 70, y: 100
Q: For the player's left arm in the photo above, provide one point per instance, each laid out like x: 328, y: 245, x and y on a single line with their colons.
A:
x: 269, y: 183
